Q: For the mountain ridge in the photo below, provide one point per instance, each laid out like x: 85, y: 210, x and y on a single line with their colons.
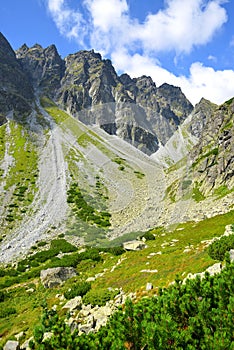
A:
x: 79, y: 116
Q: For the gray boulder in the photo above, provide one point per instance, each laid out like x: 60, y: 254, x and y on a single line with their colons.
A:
x: 11, y: 345
x: 134, y: 245
x: 73, y: 304
x: 55, y: 276
x: 231, y: 253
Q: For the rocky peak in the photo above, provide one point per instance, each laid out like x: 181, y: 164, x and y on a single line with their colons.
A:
x: 6, y: 52
x: 44, y: 67
x: 200, y: 115
x: 174, y: 97
x: 16, y: 92
x: 144, y: 82
x: 89, y: 88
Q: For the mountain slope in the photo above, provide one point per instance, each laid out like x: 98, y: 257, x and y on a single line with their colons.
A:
x: 65, y: 164
x: 213, y: 159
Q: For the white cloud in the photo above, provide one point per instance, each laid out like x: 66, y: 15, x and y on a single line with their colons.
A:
x: 70, y: 23
x: 212, y: 58
x: 107, y: 14
x: 107, y: 26
x: 214, y: 85
x: 182, y: 25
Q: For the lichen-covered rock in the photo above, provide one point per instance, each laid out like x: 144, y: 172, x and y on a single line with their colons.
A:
x: 55, y: 276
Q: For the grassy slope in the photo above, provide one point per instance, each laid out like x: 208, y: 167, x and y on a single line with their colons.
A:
x: 127, y: 275
x: 20, y: 182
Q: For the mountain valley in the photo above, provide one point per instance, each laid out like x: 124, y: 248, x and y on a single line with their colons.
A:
x: 96, y: 159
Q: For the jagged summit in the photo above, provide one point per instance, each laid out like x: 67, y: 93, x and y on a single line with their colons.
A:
x: 134, y: 109
x: 16, y: 92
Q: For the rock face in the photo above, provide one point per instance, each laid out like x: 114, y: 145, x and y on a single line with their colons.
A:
x: 200, y: 115
x: 44, y: 67
x: 213, y: 157
x: 88, y: 87
x: 55, y: 276
x: 16, y: 92
x: 3, y: 120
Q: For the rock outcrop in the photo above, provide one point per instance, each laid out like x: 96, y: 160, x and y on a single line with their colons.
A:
x: 11, y: 345
x: 44, y: 67
x: 200, y: 115
x: 55, y: 276
x: 134, y: 245
x: 213, y: 157
x: 16, y: 92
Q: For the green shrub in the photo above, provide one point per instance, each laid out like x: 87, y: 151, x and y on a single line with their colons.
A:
x: 41, y: 244
x: 7, y: 312
x: 194, y: 315
x: 148, y: 236
x: 80, y: 288
x: 99, y: 297
x: 2, y: 296
x: 61, y: 245
x: 218, y: 248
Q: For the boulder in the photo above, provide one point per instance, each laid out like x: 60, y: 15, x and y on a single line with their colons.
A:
x: 231, y: 253
x: 73, y: 304
x: 55, y: 276
x: 134, y: 245
x: 149, y: 286
x: 11, y: 345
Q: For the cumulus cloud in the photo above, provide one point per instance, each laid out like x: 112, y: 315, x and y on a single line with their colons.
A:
x: 181, y: 26
x: 214, y: 85
x: 70, y: 23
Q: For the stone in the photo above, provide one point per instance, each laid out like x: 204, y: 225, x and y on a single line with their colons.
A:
x: 46, y: 336
x: 88, y: 326
x: 55, y: 276
x: 231, y: 253
x: 11, y: 345
x: 19, y: 336
x: 149, y: 271
x: 149, y: 286
x: 25, y: 345
x: 90, y: 279
x: 134, y: 245
x: 73, y: 304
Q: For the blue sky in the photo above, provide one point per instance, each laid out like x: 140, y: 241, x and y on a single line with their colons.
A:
x: 187, y: 43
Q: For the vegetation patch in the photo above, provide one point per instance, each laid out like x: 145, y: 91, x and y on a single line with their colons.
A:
x: 99, y: 297
x: 213, y: 152
x: 77, y: 289
x: 197, y: 195
x: 85, y: 211
x: 222, y: 191
x: 194, y: 315
x: 139, y: 174
x: 20, y: 182
x: 220, y: 247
